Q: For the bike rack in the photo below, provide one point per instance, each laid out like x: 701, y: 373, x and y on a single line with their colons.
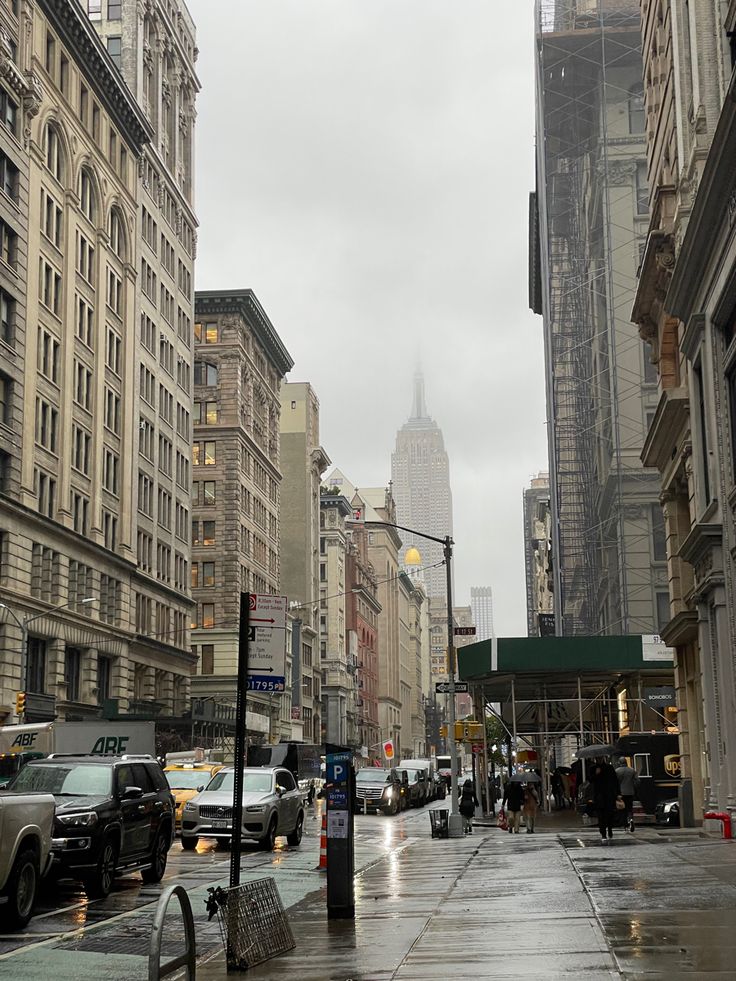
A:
x: 157, y: 970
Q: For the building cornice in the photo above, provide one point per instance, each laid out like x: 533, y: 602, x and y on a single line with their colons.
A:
x: 669, y: 427
x: 74, y: 28
x: 715, y: 203
x: 245, y: 303
x: 336, y: 501
x: 654, y: 275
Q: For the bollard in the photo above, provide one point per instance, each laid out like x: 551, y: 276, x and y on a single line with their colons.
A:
x: 724, y: 817
x: 322, y: 867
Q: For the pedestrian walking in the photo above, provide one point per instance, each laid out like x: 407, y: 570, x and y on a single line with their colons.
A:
x: 604, y: 788
x: 529, y: 807
x: 467, y: 806
x: 513, y: 800
x: 628, y: 785
x: 557, y: 789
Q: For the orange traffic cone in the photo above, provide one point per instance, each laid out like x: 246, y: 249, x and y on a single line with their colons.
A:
x: 323, y: 846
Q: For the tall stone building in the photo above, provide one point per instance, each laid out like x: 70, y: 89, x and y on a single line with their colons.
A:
x: 481, y: 606
x: 338, y: 663
x: 540, y: 617
x: 589, y: 221
x: 71, y: 515
x: 420, y: 481
x: 240, y: 362
x: 363, y: 609
x: 303, y: 461
x: 153, y: 46
x: 685, y: 311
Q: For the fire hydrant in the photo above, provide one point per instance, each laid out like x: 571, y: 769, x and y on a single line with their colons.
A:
x: 724, y: 817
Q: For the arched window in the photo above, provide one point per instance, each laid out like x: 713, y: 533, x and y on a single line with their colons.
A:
x: 117, y: 234
x: 636, y: 109
x: 54, y: 153
x: 87, y: 195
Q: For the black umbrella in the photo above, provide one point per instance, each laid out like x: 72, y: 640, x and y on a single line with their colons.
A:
x: 525, y: 777
x: 589, y: 752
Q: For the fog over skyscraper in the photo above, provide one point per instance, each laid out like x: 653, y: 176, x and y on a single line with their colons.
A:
x: 420, y: 471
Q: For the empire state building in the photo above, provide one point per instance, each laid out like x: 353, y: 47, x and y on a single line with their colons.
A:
x: 420, y: 471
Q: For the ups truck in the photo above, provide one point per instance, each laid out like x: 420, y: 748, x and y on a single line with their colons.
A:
x: 18, y: 744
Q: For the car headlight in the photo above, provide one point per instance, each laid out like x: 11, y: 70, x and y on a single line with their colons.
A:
x: 189, y: 806
x: 256, y: 809
x: 388, y: 793
x: 84, y: 820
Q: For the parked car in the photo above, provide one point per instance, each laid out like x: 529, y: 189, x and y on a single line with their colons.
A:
x: 114, y: 814
x: 273, y: 805
x: 378, y: 789
x: 418, y: 786
x: 26, y: 823
x: 186, y: 780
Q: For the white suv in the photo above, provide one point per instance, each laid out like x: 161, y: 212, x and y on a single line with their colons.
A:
x: 272, y: 805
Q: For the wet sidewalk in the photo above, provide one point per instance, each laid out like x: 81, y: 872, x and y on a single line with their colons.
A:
x: 549, y: 905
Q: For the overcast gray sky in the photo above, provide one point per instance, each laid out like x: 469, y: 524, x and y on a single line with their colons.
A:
x: 364, y: 166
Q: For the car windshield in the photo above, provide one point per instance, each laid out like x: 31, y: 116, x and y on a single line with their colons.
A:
x: 413, y: 775
x: 372, y: 776
x: 187, y: 779
x: 66, y: 779
x: 253, y: 783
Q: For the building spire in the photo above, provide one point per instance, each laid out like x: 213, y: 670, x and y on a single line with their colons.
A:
x: 419, y: 407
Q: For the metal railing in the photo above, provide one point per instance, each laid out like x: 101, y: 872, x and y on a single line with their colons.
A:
x: 157, y: 970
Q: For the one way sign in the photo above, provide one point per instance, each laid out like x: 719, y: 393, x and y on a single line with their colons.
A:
x: 443, y: 687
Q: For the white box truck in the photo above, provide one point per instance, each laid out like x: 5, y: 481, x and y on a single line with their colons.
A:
x: 18, y: 744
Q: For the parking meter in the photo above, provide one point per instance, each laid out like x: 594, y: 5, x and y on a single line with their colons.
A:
x: 340, y: 794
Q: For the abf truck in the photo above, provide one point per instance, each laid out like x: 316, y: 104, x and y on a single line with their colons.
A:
x: 18, y: 744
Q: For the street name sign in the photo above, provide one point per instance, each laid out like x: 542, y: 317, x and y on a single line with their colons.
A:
x: 443, y: 687
x: 464, y: 631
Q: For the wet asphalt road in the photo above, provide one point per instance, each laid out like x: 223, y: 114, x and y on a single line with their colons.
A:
x: 66, y: 920
x: 658, y: 904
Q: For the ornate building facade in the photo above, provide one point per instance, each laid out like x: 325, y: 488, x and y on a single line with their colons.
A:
x: 72, y: 577
x: 685, y: 311
x: 240, y: 362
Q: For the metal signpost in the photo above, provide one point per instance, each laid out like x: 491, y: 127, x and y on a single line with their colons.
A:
x: 239, y: 760
x: 340, y: 841
x: 261, y: 667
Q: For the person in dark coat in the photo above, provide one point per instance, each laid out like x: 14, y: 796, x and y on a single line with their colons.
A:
x: 513, y: 796
x: 604, y: 788
x: 467, y: 806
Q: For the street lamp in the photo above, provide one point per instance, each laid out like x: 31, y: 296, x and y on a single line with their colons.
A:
x: 23, y: 625
x: 455, y: 824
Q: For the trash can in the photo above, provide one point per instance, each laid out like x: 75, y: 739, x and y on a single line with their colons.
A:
x: 439, y: 819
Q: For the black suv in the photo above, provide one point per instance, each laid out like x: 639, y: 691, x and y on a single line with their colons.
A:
x: 378, y: 789
x: 113, y: 814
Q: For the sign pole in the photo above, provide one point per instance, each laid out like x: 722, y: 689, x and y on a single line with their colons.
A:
x: 240, y: 731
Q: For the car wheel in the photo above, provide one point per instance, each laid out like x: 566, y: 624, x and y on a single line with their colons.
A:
x: 21, y: 889
x: 268, y: 841
x: 189, y: 843
x: 100, y: 883
x: 295, y: 838
x: 159, y: 855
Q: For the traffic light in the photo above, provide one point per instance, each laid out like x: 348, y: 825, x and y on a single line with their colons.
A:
x: 443, y: 731
x: 20, y: 703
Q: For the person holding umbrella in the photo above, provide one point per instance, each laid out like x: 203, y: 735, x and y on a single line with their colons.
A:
x: 604, y: 787
x: 513, y: 800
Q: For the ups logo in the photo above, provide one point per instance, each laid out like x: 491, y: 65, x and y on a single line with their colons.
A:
x: 672, y: 765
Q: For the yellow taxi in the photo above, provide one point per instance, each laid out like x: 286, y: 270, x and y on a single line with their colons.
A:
x: 186, y: 780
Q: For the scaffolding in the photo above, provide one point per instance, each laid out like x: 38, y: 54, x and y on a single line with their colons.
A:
x: 590, y: 154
